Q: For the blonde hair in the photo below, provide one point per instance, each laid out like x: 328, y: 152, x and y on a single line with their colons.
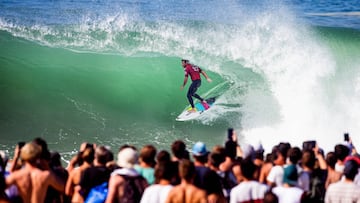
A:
x: 30, y: 152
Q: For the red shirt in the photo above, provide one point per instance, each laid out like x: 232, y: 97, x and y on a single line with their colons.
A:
x: 193, y: 71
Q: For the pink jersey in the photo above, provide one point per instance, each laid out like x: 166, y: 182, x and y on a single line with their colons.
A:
x: 193, y: 71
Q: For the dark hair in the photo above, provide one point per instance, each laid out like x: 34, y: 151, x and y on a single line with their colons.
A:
x: 185, y: 60
x: 163, y: 156
x: 341, y: 151
x: 164, y: 170
x: 270, y: 197
x: 45, y: 153
x: 308, y: 158
x: 284, y: 148
x: 294, y: 155
x: 102, y: 154
x: 147, y: 155
x: 55, y: 159
x: 178, y: 148
x: 202, y: 159
x: 88, y: 155
x: 186, y: 169
x: 216, y: 158
x: 331, y: 159
x: 127, y: 146
x: 248, y: 169
x: 351, y: 169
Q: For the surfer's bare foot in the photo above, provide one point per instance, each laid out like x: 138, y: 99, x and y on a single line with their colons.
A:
x: 192, y: 110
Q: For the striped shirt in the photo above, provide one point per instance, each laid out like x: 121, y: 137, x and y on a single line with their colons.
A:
x: 343, y: 192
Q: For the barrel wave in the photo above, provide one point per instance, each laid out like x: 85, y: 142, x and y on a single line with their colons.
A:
x: 115, y: 78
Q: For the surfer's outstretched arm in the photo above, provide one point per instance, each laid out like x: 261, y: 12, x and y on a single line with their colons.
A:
x: 206, y: 76
x: 184, y: 83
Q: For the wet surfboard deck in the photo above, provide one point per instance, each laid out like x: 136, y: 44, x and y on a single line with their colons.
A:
x: 200, y: 109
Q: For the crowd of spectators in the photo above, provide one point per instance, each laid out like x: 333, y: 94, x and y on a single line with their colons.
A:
x: 230, y: 172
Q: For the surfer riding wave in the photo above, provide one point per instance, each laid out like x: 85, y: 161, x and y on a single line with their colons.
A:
x: 194, y: 72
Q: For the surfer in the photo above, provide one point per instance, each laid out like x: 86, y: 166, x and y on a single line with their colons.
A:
x: 194, y: 72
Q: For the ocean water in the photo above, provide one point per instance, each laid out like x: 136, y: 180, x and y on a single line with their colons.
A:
x: 109, y: 71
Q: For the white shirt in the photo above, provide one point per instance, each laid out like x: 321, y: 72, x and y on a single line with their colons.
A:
x: 276, y: 175
x: 344, y: 192
x: 288, y: 194
x: 156, y: 193
x: 247, y: 191
x: 357, y: 178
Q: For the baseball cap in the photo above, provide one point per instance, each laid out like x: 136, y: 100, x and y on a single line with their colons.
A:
x: 127, y: 157
x: 199, y: 149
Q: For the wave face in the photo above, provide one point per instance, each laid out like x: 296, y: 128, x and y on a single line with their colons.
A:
x: 110, y: 73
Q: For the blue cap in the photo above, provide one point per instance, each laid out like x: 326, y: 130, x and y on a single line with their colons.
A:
x: 199, y: 149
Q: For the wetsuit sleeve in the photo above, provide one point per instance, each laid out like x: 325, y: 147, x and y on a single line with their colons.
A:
x: 186, y: 72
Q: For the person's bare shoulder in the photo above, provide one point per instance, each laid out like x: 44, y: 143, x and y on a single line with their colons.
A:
x: 173, y: 195
x: 17, y: 176
x: 116, y: 181
x: 198, y: 195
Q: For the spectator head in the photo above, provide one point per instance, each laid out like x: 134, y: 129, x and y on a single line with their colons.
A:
x: 294, y: 155
x: 88, y: 155
x: 216, y: 158
x: 127, y: 157
x: 199, y: 149
x: 147, y: 155
x: 178, y: 148
x: 355, y: 158
x: 248, y: 169
x: 290, y: 175
x: 259, y: 151
x: 186, y: 170
x: 270, y: 197
x: 331, y: 159
x: 248, y: 151
x: 102, y: 155
x: 163, y: 156
x: 284, y: 148
x: 351, y: 169
x: 55, y: 159
x: 164, y: 170
x: 200, y: 153
x: 30, y: 153
x: 45, y: 153
x: 341, y: 151
x: 85, y: 145
x: 308, y: 159
x: 277, y: 156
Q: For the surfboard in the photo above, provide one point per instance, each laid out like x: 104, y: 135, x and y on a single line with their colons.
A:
x: 200, y: 109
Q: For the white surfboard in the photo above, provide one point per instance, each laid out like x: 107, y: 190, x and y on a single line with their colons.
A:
x: 200, y: 108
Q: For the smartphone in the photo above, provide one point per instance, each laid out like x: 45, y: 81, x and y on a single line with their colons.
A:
x: 230, y: 133
x: 309, y: 145
x: 346, y: 137
x: 20, y: 144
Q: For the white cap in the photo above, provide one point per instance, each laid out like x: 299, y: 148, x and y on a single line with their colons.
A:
x: 127, y: 157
